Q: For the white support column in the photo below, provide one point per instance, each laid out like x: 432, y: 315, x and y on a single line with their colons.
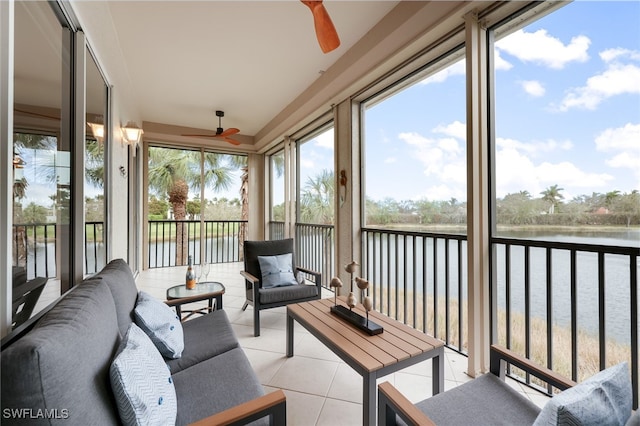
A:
x: 6, y: 157
x: 289, y: 188
x: 256, y: 224
x: 477, y: 197
x: 347, y: 203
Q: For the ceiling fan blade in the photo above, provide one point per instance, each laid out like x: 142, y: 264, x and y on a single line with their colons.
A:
x: 325, y: 30
x: 232, y: 141
x: 228, y: 132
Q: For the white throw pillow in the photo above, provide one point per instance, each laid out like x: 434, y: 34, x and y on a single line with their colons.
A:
x: 141, y: 382
x: 277, y: 271
x: 161, y: 324
x: 603, y: 399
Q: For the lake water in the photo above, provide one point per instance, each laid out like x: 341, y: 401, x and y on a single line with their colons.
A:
x: 418, y: 268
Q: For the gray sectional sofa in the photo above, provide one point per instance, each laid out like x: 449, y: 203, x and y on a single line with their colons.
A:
x: 55, y: 368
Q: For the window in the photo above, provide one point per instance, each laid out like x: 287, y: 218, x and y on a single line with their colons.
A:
x: 567, y: 122
x: 415, y: 153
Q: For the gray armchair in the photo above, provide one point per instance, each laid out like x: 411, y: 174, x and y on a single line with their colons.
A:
x: 280, y: 283
x: 604, y: 398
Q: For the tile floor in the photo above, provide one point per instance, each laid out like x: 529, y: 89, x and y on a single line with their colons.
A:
x: 320, y: 388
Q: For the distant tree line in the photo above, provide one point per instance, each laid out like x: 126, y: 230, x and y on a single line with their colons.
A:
x: 613, y: 208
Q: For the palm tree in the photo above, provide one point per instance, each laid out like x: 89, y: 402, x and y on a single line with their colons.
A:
x: 316, y: 199
x: 240, y: 162
x: 172, y: 172
x: 553, y: 196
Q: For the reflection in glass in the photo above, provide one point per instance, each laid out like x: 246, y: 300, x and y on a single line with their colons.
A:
x: 42, y: 174
x: 94, y: 160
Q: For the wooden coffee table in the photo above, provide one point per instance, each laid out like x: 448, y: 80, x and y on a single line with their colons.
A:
x: 179, y: 295
x: 397, y: 347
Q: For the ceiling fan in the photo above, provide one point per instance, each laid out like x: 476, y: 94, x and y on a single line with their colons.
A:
x: 220, y: 132
x: 325, y: 31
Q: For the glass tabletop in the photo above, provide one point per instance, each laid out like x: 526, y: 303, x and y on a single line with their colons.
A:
x: 202, y: 288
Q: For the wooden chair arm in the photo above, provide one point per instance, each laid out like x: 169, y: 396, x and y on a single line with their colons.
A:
x: 391, y: 403
x: 273, y: 404
x: 247, y: 276
x: 501, y: 355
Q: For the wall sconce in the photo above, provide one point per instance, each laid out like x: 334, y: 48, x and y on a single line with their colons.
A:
x: 97, y: 129
x: 132, y: 134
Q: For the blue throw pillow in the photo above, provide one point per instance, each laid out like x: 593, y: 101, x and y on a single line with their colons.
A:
x: 141, y: 382
x: 277, y: 271
x: 161, y: 323
x: 603, y: 399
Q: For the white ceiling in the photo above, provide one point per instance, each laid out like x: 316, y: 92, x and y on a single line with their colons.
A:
x: 248, y: 58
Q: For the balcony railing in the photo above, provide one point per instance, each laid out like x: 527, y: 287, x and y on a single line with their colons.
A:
x: 419, y: 279
x: 222, y: 241
x: 34, y: 247
x: 314, y: 247
x: 571, y: 307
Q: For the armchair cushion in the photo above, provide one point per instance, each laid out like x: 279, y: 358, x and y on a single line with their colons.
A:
x: 161, y: 324
x: 283, y: 294
x: 277, y: 271
x: 486, y: 394
x: 603, y: 399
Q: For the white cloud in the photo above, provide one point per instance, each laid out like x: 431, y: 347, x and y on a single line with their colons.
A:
x: 541, y: 48
x: 442, y: 192
x: 457, y: 68
x: 500, y: 64
x: 307, y: 164
x: 516, y: 171
x: 624, y: 142
x: 617, y: 79
x: 390, y: 160
x: 533, y: 88
x: 610, y: 55
x: 534, y: 148
x: 456, y: 129
x: 626, y: 137
x: 325, y: 140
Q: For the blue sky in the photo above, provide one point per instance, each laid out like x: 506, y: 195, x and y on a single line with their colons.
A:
x: 567, y: 108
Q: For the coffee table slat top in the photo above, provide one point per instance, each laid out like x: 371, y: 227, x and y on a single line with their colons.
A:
x: 397, y: 342
x: 373, y: 346
x: 401, y: 339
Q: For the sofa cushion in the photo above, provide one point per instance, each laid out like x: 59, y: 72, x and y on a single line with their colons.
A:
x: 141, y: 382
x: 277, y: 271
x: 119, y: 278
x: 204, y: 337
x: 496, y: 400
x: 603, y: 399
x: 63, y: 363
x: 215, y: 385
x: 161, y: 324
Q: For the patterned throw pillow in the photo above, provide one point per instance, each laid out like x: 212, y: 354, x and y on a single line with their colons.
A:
x: 141, y: 382
x: 161, y: 323
x: 603, y: 399
x: 277, y: 271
